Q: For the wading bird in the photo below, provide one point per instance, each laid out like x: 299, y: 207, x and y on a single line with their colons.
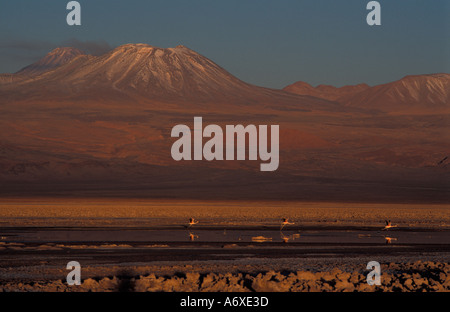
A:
x: 192, y: 221
x: 388, y: 225
x: 285, y: 222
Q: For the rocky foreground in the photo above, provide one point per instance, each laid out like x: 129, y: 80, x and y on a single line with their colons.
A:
x: 405, y: 277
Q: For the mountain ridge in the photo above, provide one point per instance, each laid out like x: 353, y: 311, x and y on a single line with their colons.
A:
x: 55, y: 58
x: 327, y: 92
x: 147, y: 73
x: 180, y: 73
x: 412, y: 92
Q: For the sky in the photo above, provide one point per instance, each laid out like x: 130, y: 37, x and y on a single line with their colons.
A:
x: 270, y: 43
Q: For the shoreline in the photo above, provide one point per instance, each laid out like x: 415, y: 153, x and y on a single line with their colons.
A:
x: 418, y: 276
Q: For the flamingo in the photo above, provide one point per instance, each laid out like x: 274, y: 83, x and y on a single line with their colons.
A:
x: 285, y: 222
x: 388, y: 225
x: 192, y: 221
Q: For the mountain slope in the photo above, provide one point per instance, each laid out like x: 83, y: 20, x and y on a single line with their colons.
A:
x: 417, y: 93
x: 137, y: 69
x: 411, y: 93
x: 54, y: 59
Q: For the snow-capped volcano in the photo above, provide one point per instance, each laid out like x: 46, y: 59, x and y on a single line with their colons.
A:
x: 144, y: 73
x: 157, y: 70
x: 138, y: 69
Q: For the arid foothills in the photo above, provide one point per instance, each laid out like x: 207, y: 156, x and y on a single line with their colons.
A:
x: 213, y: 149
x: 124, y: 121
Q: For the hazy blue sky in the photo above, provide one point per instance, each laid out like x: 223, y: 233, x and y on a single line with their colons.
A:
x: 269, y: 43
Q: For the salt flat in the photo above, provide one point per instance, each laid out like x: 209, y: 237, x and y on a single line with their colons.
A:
x: 143, y: 212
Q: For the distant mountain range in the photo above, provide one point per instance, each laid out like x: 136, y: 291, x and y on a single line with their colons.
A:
x: 179, y: 72
x: 324, y: 91
x: 411, y: 93
x: 76, y: 124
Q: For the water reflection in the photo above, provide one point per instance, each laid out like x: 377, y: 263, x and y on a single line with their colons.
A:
x: 192, y: 236
x: 287, y: 238
x: 389, y: 240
